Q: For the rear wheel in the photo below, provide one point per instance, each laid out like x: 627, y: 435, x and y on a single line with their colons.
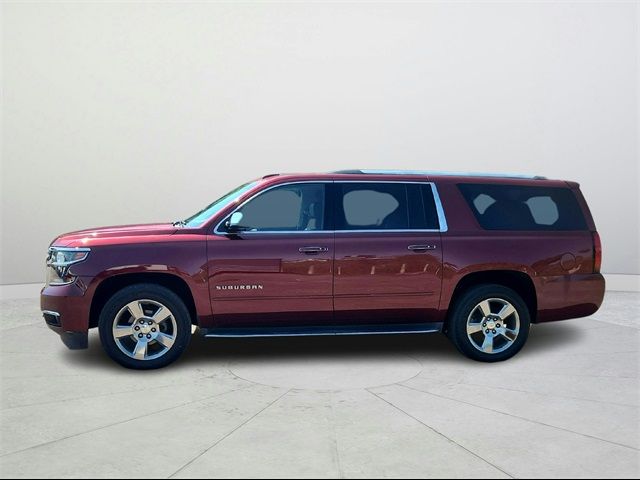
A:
x: 145, y: 326
x: 489, y: 323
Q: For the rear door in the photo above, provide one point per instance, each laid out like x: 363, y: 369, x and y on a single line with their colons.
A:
x: 388, y: 252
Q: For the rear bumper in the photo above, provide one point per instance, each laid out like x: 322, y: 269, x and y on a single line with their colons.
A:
x: 66, y: 311
x: 569, y: 296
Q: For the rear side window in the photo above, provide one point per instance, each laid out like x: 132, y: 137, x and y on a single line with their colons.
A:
x: 385, y: 206
x: 431, y: 221
x: 513, y: 207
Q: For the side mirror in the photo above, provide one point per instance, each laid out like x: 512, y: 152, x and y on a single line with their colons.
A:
x: 233, y: 224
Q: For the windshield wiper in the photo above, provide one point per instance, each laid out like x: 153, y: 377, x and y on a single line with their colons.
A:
x: 179, y: 223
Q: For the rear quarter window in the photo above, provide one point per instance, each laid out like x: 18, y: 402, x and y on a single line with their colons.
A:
x: 514, y: 207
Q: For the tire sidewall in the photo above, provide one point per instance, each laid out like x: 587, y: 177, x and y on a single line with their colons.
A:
x: 152, y: 292
x: 464, y: 306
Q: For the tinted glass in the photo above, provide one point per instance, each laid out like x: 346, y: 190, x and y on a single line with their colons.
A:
x: 385, y: 206
x: 429, y: 206
x: 512, y: 207
x: 422, y: 207
x: 372, y: 206
x: 297, y: 207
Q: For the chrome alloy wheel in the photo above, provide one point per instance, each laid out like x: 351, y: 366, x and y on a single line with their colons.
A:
x: 493, y: 325
x: 144, y: 329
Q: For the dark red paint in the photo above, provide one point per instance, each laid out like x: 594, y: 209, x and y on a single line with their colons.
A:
x: 361, y: 278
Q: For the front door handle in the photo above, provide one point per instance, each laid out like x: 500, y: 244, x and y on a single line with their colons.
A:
x: 313, y: 250
x: 421, y: 248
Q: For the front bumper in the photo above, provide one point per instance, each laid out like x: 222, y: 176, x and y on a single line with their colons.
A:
x: 65, y: 309
x: 72, y: 340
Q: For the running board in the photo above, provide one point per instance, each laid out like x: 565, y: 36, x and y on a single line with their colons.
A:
x: 321, y: 331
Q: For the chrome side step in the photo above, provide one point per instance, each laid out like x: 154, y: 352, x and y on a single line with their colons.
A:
x: 322, y: 331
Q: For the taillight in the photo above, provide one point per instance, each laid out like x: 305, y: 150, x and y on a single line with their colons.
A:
x: 597, y: 253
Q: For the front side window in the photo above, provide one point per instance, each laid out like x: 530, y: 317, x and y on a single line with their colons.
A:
x: 514, y: 207
x: 385, y: 206
x: 289, y: 208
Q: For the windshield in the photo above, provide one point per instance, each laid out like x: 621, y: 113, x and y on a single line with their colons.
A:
x: 210, y: 210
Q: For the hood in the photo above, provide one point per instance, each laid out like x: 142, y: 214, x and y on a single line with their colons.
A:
x: 116, y: 234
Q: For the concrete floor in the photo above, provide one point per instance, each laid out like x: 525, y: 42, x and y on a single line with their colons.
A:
x: 398, y: 406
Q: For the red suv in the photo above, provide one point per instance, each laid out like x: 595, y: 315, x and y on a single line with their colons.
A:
x: 478, y: 257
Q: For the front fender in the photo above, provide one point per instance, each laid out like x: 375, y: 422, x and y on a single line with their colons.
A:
x: 183, y: 260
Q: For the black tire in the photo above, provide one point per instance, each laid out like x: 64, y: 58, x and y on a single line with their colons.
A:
x: 466, y: 305
x: 155, y: 293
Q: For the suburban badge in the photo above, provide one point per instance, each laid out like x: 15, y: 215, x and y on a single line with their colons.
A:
x: 239, y: 287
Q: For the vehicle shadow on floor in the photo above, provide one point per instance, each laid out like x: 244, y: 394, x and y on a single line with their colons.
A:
x: 543, y: 339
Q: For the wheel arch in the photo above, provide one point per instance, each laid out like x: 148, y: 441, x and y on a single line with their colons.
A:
x: 110, y: 285
x: 518, y: 281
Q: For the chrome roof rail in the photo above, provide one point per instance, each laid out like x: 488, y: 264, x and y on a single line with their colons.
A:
x: 436, y: 173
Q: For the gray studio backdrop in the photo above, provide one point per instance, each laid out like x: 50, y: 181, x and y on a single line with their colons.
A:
x: 139, y: 112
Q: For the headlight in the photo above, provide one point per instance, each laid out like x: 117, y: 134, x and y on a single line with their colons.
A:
x: 60, y: 261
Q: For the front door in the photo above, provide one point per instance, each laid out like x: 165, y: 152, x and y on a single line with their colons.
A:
x: 388, y: 255
x: 276, y: 267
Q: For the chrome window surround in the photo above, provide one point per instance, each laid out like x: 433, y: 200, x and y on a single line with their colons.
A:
x: 442, y: 220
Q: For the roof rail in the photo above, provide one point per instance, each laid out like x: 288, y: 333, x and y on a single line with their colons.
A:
x: 436, y: 173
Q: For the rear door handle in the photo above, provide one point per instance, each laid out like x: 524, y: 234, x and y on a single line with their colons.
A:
x: 313, y: 250
x: 421, y: 248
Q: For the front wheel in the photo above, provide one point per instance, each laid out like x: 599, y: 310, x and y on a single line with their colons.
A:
x: 145, y: 326
x: 489, y: 323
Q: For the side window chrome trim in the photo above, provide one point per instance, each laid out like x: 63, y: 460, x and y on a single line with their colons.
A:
x: 442, y: 220
x: 284, y: 232
x: 406, y: 230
